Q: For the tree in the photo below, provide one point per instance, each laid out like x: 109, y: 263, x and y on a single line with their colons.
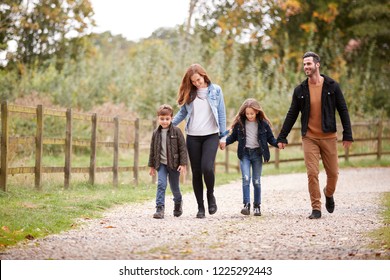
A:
x: 368, y: 49
x: 40, y: 29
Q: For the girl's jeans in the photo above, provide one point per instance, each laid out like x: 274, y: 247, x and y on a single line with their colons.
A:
x: 202, y: 151
x: 252, y: 157
x: 165, y: 172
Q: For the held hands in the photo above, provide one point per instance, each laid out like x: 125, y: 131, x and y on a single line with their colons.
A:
x: 222, y: 145
x: 281, y: 145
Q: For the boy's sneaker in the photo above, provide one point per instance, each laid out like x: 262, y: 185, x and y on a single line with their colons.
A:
x: 159, y: 212
x: 247, y: 209
x: 256, y: 210
x: 178, y: 210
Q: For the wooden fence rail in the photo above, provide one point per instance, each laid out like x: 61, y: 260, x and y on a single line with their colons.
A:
x: 68, y: 142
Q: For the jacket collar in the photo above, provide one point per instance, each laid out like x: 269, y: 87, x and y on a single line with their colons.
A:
x: 160, y: 127
x: 327, y: 81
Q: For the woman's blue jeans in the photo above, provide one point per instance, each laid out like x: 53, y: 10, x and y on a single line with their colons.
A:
x: 252, y: 158
x: 165, y: 172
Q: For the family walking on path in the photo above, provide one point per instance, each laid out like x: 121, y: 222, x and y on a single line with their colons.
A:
x: 277, y: 230
x: 202, y: 106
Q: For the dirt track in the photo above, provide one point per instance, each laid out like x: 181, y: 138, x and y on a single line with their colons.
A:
x: 283, y: 232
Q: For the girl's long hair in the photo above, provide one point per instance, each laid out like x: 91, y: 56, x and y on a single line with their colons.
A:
x: 186, y: 86
x: 255, y: 105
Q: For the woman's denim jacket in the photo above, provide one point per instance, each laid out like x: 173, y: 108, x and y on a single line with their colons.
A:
x: 265, y: 136
x: 217, y: 104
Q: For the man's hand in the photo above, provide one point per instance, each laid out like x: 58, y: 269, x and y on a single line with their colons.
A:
x: 347, y: 144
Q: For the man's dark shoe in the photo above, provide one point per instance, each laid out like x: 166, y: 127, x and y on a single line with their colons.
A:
x: 201, y: 211
x: 178, y: 209
x: 212, y: 204
x: 315, y: 214
x: 329, y: 204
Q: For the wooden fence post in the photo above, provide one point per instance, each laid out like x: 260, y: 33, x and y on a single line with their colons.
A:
x: 136, y: 150
x: 380, y: 135
x: 277, y: 151
x: 227, y: 159
x: 4, y: 146
x: 92, y: 162
x: 68, y: 148
x: 39, y: 148
x: 277, y: 155
x: 116, y: 152
x: 346, y: 153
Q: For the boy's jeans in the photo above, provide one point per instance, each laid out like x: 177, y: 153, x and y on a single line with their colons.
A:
x: 174, y: 176
x: 252, y: 157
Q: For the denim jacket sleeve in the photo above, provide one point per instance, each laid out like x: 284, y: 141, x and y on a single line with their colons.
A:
x: 180, y: 116
x: 222, y: 114
x: 217, y: 104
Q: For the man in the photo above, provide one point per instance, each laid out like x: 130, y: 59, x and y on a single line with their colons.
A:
x: 318, y: 98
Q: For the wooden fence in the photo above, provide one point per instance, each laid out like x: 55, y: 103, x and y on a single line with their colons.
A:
x: 68, y: 142
x: 137, y: 143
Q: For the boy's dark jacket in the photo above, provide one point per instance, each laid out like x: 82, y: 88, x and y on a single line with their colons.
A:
x: 332, y: 99
x: 176, y: 148
x: 264, y: 137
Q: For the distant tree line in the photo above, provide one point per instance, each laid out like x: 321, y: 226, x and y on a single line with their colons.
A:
x: 252, y: 48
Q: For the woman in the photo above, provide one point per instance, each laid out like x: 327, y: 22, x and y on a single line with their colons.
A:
x: 203, y: 107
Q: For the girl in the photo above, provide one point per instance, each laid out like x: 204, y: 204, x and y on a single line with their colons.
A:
x: 203, y: 107
x: 251, y: 128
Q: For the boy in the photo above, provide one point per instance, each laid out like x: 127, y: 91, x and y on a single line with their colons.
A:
x: 168, y: 155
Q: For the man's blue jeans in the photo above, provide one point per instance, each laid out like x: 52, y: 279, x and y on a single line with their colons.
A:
x: 252, y: 157
x: 165, y: 172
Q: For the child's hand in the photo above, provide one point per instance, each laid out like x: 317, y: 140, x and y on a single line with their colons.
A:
x: 222, y: 145
x: 152, y: 171
x: 281, y: 145
x: 182, y: 169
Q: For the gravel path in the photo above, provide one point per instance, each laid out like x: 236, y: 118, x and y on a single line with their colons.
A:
x: 283, y: 232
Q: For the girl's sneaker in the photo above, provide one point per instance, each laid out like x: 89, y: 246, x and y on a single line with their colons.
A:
x: 247, y: 209
x: 256, y: 210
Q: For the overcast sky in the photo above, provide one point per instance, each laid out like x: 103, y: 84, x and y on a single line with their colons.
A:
x: 136, y: 19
